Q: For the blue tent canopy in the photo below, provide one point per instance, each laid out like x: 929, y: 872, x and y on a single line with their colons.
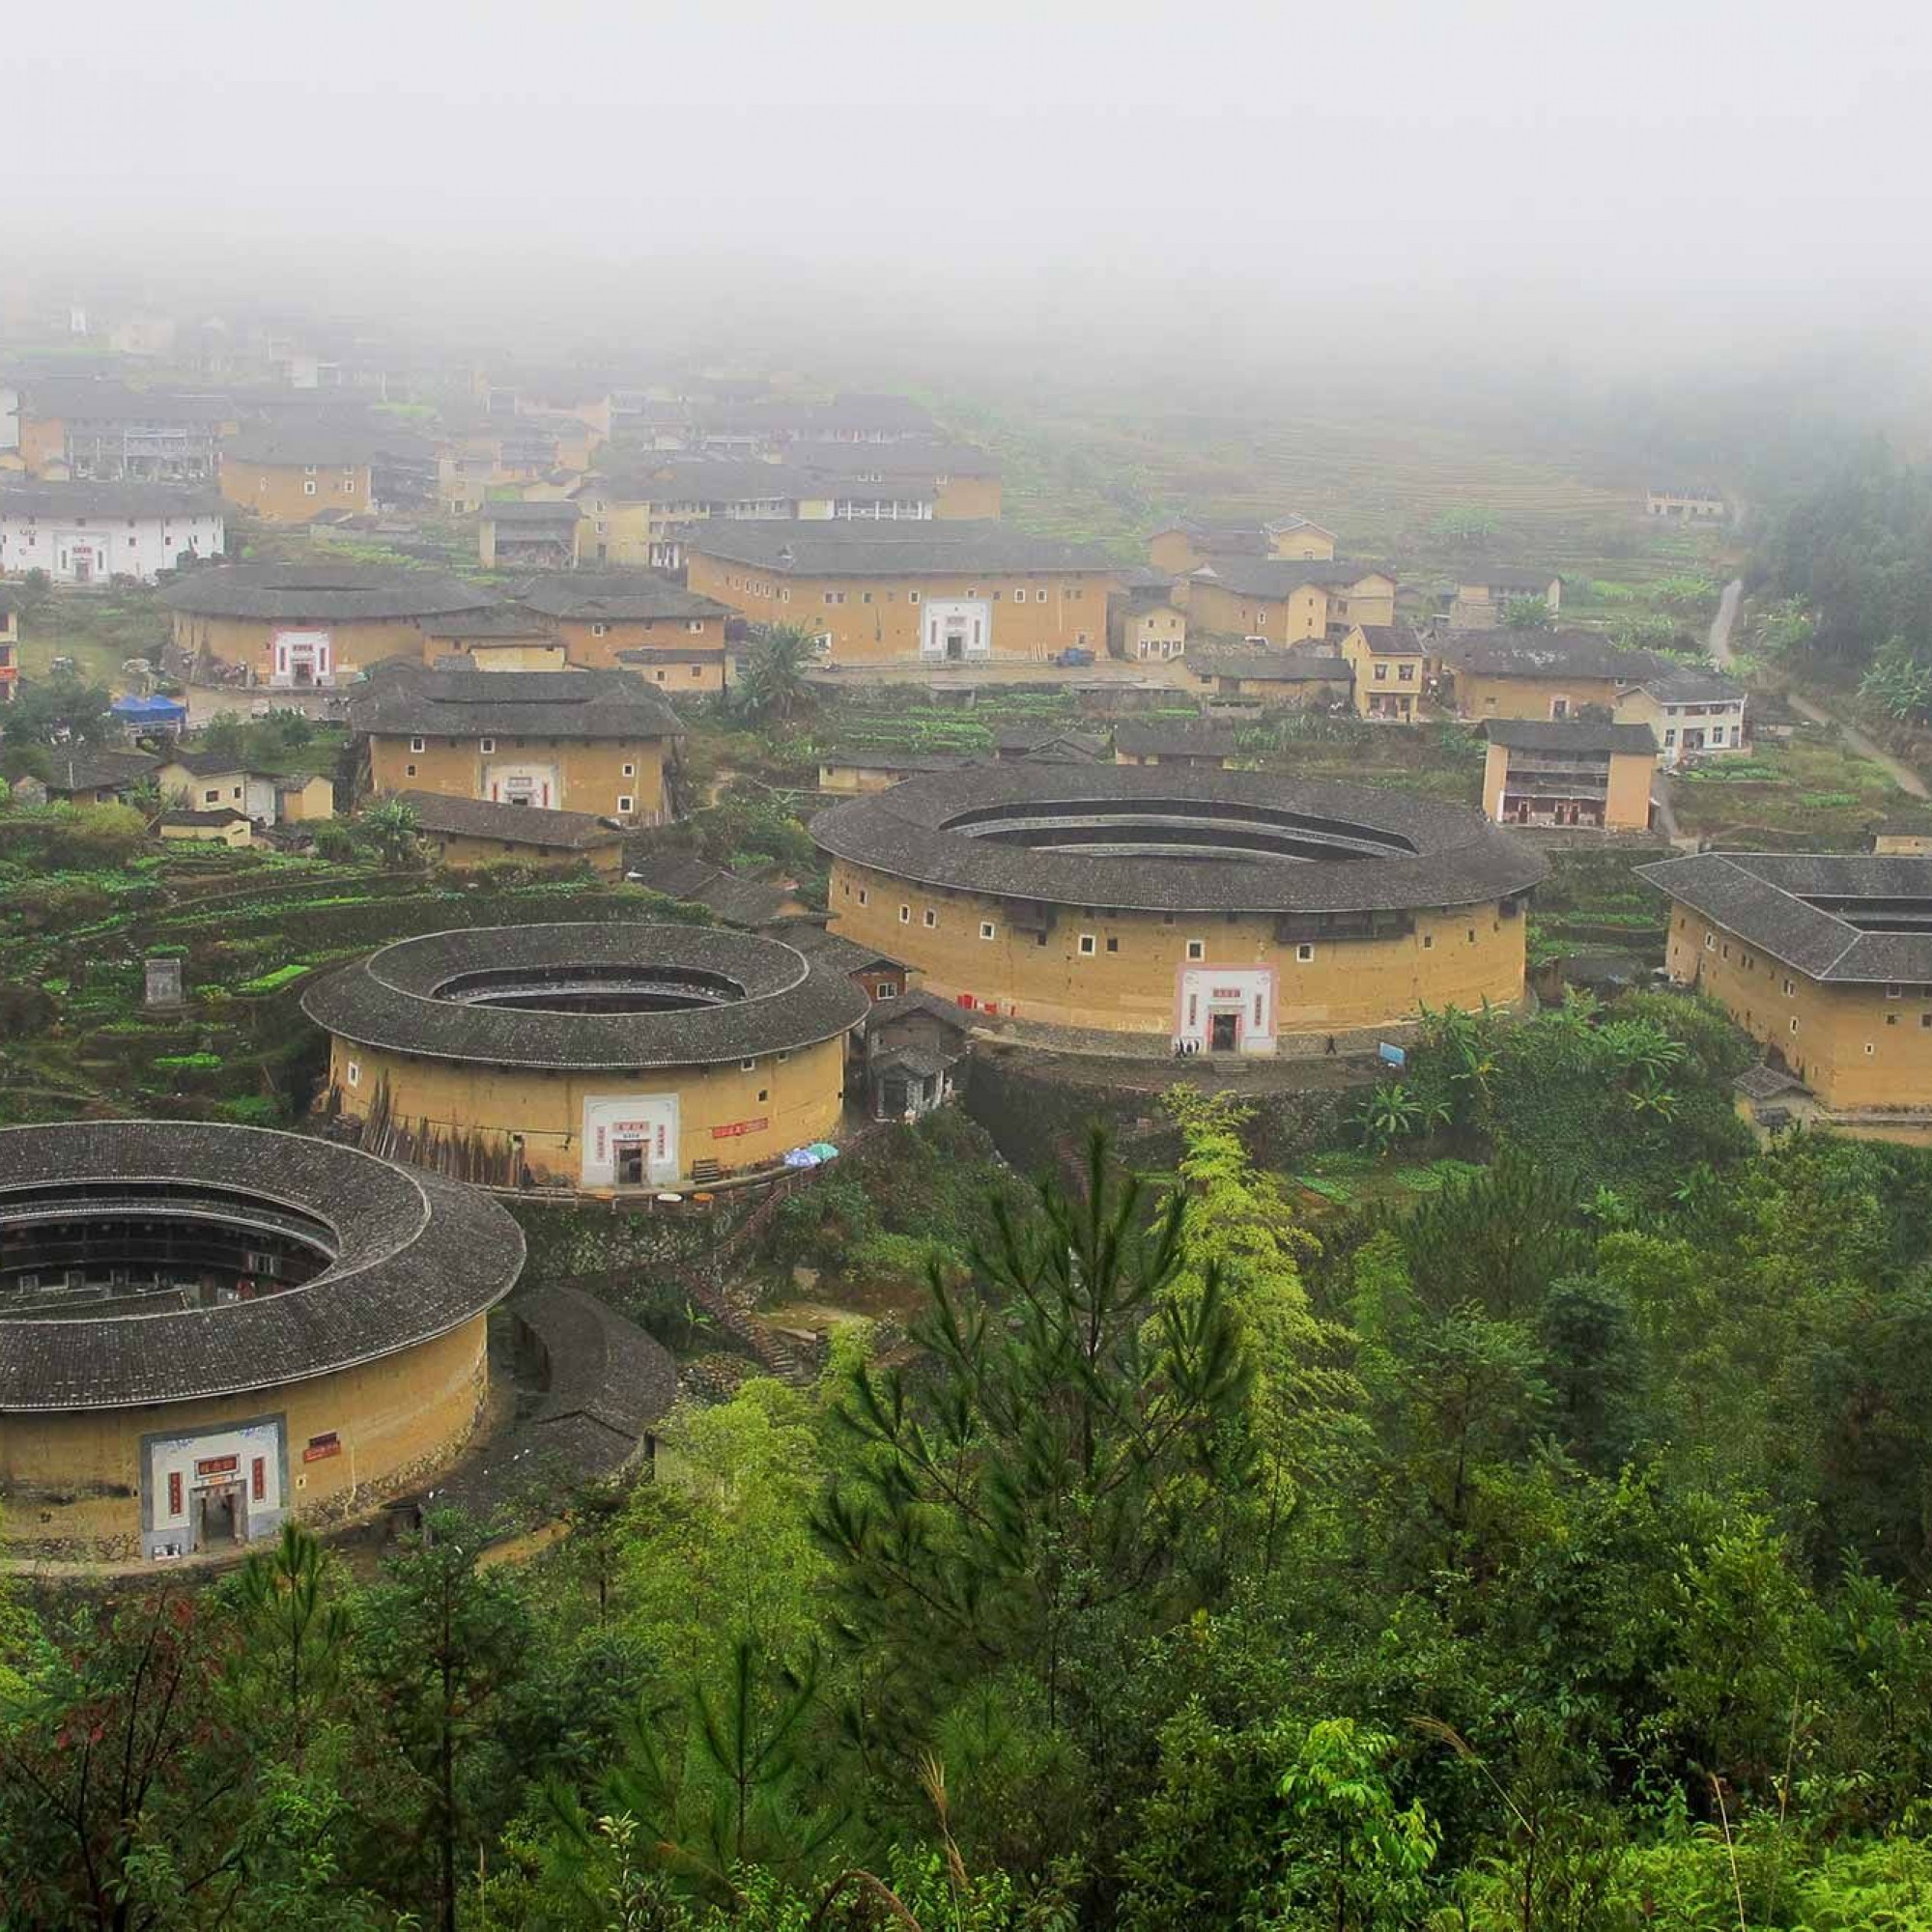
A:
x: 150, y: 711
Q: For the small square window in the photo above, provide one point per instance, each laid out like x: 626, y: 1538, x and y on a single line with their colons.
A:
x: 599, y: 629
x: 865, y: 897
x: 931, y: 917
x: 626, y: 803
x: 353, y: 1073
x: 1304, y: 953
x: 409, y: 771
x: 1789, y: 989
x: 1891, y: 1019
x: 1895, y: 992
x: 888, y: 989
x: 747, y: 1066
x: 988, y: 930
x: 488, y: 745
x: 1087, y: 943
x: 905, y: 914
x: 1428, y: 941
x: 783, y: 1054
x: 1197, y: 949
x: 1112, y: 945
x: 1710, y: 942
x: 912, y: 596
x: 1925, y: 1020
x: 1868, y: 1049
x: 1472, y: 935
x: 629, y: 772
x: 764, y: 1092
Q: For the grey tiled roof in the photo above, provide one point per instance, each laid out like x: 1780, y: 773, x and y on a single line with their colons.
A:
x: 161, y: 501
x: 328, y: 444
x: 440, y: 813
x: 87, y: 770
x: 416, y: 1256
x: 1277, y: 577
x: 1272, y: 666
x: 1431, y: 854
x: 1392, y: 641
x: 322, y: 589
x: 685, y: 876
x: 1543, y: 654
x: 488, y: 623
x: 874, y: 760
x: 907, y: 548
x: 223, y: 814
x: 1792, y: 906
x: 844, y: 955
x: 511, y: 511
x: 408, y: 697
x: 1179, y: 737
x: 391, y: 998
x: 1498, y: 576
x: 618, y: 595
x: 1671, y: 683
x: 1536, y: 734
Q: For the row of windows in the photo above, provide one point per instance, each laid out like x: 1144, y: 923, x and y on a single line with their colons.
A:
x: 488, y: 745
x: 1089, y: 945
x: 753, y: 588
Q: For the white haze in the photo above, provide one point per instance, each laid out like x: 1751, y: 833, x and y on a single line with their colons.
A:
x: 1646, y: 183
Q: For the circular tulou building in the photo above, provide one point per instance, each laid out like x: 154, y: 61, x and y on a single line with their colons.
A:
x: 593, y: 1055
x: 1212, y: 911
x: 311, y: 625
x: 205, y: 1329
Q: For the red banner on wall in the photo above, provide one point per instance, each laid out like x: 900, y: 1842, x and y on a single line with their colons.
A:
x: 734, y: 1128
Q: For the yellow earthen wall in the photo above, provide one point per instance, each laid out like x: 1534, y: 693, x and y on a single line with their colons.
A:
x: 590, y: 772
x: 277, y: 492
x: 878, y: 623
x: 583, y: 647
x: 1478, y: 697
x: 1349, y: 983
x: 398, y: 1419
x: 967, y: 497
x: 1301, y: 615
x: 802, y: 1103
x: 359, y: 642
x: 1836, y: 1024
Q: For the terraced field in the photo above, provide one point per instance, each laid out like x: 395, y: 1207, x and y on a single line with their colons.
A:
x: 1386, y: 485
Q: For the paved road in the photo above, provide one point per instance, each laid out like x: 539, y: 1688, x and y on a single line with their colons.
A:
x: 1728, y: 615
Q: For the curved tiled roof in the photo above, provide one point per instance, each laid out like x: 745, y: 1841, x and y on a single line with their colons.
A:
x: 415, y: 1256
x: 293, y: 592
x: 1385, y: 851
x: 622, y: 595
x: 391, y: 1000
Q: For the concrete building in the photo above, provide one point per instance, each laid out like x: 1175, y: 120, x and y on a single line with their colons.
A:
x: 312, y: 625
x: 601, y: 1058
x: 10, y: 643
x: 1483, y: 597
x: 1283, y: 603
x: 1569, y: 773
x: 1389, y: 665
x: 1146, y: 623
x: 1186, y: 909
x: 93, y: 429
x: 928, y: 593
x: 88, y: 533
x: 1826, y: 961
x: 472, y: 832
x: 587, y: 741
x: 208, y: 1331
x: 1693, y: 713
x: 1688, y: 503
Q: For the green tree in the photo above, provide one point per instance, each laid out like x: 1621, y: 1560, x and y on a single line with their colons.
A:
x: 61, y: 710
x: 1527, y: 613
x: 442, y: 1639
x: 1061, y: 1465
x: 296, y: 1628
x: 772, y: 675
x: 1359, y: 1856
x: 392, y: 823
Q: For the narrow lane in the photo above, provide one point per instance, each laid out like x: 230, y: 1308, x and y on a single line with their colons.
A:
x: 1728, y: 615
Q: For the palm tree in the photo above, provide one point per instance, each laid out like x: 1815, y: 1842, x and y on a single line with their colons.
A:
x: 772, y: 683
x: 393, y: 825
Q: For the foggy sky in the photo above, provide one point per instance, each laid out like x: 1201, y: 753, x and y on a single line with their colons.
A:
x: 1643, y: 178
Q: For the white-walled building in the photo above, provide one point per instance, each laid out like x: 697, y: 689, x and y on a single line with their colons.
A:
x: 88, y: 533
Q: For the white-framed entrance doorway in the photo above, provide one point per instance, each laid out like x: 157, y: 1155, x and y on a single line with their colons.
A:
x: 1226, y: 1008
x: 630, y: 1140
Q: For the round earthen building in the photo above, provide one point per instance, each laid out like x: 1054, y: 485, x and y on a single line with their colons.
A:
x: 593, y: 1056
x: 207, y: 1329
x: 1207, y: 910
